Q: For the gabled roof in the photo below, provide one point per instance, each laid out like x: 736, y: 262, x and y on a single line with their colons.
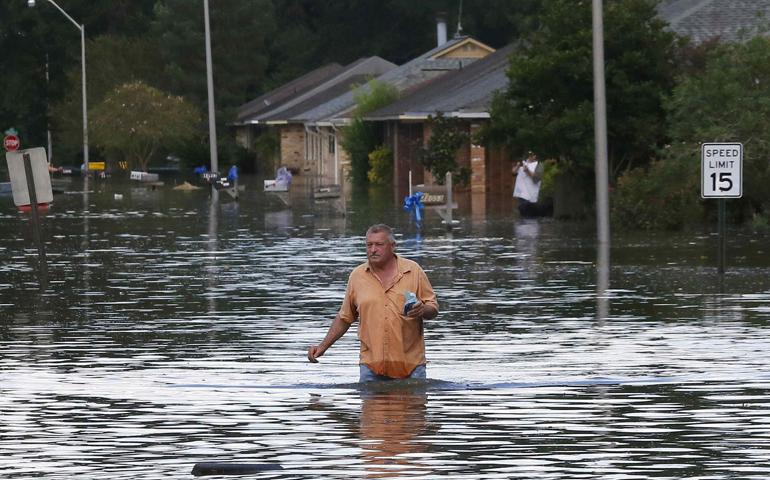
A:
x: 703, y: 20
x: 295, y: 87
x: 467, y: 47
x: 406, y: 78
x: 323, y: 91
x: 465, y: 93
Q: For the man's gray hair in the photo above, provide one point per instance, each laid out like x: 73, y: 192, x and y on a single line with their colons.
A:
x: 381, y: 227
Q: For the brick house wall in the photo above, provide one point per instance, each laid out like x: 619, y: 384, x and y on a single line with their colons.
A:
x: 293, y: 147
x: 403, y: 138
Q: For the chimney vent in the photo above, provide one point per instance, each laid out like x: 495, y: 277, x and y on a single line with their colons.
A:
x: 441, y: 28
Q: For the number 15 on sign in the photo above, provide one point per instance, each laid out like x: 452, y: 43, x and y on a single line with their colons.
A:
x: 722, y: 170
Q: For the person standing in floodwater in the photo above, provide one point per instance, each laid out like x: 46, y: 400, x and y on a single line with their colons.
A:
x: 529, y: 177
x: 392, y: 342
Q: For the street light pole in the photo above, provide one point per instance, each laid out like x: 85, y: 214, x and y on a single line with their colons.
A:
x: 600, y: 129
x: 82, y: 29
x: 601, y: 167
x: 210, y: 86
x: 83, y: 86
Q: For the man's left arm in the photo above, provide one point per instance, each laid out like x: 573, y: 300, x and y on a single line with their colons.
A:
x: 537, y: 175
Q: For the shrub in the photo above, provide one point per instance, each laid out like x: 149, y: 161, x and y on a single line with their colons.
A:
x: 446, y: 138
x: 663, y: 195
x: 361, y: 138
x: 381, y: 166
x: 268, y: 150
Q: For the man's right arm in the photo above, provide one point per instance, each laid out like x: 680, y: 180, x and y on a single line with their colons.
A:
x: 337, y: 330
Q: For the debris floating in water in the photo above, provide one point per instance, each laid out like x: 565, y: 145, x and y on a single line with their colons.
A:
x: 216, y: 468
x: 187, y: 186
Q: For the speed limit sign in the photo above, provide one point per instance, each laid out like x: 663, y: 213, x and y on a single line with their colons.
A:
x: 722, y: 170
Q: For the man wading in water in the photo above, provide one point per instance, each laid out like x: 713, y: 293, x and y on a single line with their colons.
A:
x: 392, y: 343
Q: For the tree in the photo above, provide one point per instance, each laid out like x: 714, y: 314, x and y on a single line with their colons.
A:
x: 724, y: 98
x: 113, y: 61
x: 446, y: 138
x: 728, y: 102
x: 239, y: 33
x: 362, y: 138
x: 548, y: 105
x: 40, y: 37
x: 136, y: 120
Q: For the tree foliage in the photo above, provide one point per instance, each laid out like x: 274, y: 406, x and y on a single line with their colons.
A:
x: 40, y: 40
x: 361, y: 138
x: 381, y: 170
x: 548, y: 106
x: 315, y: 33
x: 440, y: 156
x: 136, y: 120
x: 257, y: 45
x: 725, y: 100
x: 113, y: 61
x: 239, y: 34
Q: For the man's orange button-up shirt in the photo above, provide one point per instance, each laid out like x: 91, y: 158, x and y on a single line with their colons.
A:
x: 391, y: 343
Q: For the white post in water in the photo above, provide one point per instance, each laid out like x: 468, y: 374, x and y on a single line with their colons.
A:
x: 410, y: 183
x: 600, y: 132
x: 449, y: 201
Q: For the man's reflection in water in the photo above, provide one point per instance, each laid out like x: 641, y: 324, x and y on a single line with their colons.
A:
x: 526, y: 233
x: 392, y: 420
x: 391, y: 424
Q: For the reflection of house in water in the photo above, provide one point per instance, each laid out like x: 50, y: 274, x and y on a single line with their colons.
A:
x: 279, y: 222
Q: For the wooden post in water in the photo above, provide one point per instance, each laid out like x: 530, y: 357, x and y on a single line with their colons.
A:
x: 35, y: 217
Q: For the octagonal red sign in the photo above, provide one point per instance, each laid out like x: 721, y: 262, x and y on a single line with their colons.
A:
x: 11, y: 142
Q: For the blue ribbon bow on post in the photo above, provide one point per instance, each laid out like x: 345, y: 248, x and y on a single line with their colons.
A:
x: 413, y: 205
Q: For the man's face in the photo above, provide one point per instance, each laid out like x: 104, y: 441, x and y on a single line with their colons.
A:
x: 379, y: 250
x: 533, y: 158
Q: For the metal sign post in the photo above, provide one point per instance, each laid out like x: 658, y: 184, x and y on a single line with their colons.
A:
x: 31, y: 185
x: 721, y: 178
x: 35, y: 217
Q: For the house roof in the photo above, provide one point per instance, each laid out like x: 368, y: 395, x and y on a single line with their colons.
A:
x: 295, y: 112
x: 320, y: 92
x: 703, y: 20
x: 464, y: 92
x: 406, y: 78
x: 295, y: 87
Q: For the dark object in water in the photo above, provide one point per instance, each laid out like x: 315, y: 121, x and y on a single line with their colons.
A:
x: 216, y: 468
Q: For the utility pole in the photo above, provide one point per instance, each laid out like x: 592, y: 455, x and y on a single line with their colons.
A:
x: 210, y: 85
x: 601, y: 165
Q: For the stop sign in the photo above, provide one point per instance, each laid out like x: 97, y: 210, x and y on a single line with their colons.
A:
x: 11, y: 142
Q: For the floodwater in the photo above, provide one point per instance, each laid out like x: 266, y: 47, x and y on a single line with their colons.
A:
x: 172, y: 333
